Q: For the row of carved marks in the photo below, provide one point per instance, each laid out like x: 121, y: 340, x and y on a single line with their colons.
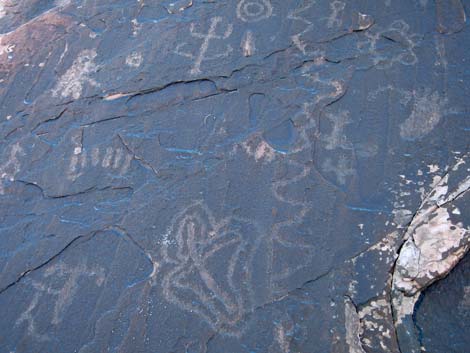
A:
x: 81, y: 160
x: 207, y: 267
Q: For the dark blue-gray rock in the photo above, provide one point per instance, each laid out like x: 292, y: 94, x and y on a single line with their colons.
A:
x: 244, y: 176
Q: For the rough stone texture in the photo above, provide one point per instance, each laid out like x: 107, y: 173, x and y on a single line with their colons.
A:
x: 233, y: 176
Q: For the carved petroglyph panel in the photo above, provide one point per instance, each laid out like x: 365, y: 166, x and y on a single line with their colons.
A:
x: 207, y: 38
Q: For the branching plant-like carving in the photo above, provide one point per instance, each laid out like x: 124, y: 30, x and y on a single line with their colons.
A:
x: 206, y: 37
x: 209, y: 267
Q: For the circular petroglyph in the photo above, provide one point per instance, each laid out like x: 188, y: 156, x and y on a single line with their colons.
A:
x: 254, y: 10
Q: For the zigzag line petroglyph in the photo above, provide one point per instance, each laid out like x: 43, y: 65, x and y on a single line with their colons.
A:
x: 305, y: 123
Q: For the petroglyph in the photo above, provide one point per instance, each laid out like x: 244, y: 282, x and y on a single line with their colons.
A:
x: 71, y: 84
x: 337, y: 8
x: 428, y: 109
x: 398, y: 32
x: 134, y: 59
x: 306, y: 127
x: 295, y: 15
x: 195, y: 281
x: 6, y: 48
x: 11, y: 167
x: 207, y: 38
x: 248, y: 44
x: 109, y: 158
x: 63, y: 288
x: 343, y: 169
x: 337, y: 139
x: 450, y: 15
x: 257, y: 148
x: 254, y: 10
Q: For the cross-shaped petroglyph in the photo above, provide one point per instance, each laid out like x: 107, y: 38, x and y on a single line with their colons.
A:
x: 206, y: 37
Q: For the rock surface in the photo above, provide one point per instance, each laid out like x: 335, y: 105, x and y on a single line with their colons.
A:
x: 234, y: 176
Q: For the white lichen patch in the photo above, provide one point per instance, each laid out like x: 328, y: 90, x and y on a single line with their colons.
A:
x: 427, y: 111
x: 353, y: 328
x: 435, y: 248
x: 134, y: 59
x: 404, y: 306
x: 71, y: 83
x: 434, y: 245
